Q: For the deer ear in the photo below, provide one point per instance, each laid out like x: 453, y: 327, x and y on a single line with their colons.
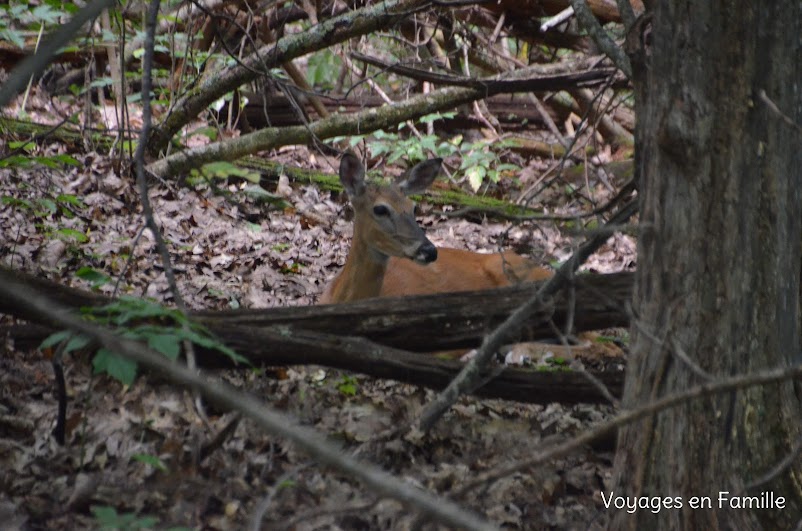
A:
x: 352, y: 175
x: 418, y: 179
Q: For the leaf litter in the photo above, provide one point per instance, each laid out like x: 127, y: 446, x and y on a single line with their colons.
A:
x: 139, y: 449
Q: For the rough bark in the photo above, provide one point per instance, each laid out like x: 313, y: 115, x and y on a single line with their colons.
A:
x: 331, y: 31
x: 366, y: 121
x: 277, y: 346
x: 426, y: 324
x: 326, y: 335
x: 719, y: 263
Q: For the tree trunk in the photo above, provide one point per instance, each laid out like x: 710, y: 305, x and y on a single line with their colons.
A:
x: 719, y: 264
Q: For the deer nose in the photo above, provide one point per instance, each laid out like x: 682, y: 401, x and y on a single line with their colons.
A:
x: 426, y: 253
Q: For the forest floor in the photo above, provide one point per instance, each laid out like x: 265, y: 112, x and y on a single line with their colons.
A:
x: 138, y: 453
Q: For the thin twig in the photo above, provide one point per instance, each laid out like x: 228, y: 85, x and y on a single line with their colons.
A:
x: 558, y: 449
x: 779, y: 468
x: 776, y: 110
x: 259, y: 512
x: 293, y: 522
x: 36, y: 63
x: 590, y: 24
x: 141, y: 180
x: 557, y: 19
x: 468, y: 377
x: 261, y: 414
x: 626, y: 12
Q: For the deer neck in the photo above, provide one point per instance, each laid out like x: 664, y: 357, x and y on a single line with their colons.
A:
x: 363, y: 274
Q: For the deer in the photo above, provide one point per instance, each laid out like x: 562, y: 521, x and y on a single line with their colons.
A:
x: 390, y: 255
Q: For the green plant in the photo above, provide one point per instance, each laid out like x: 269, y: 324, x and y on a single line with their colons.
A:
x: 18, y: 16
x: 162, y: 329
x: 347, y: 386
x: 108, y: 518
x: 151, y: 460
x: 413, y: 149
x: 45, y: 210
x: 44, y: 206
x: 322, y: 69
x: 554, y: 365
x: 479, y: 160
x: 94, y: 277
x: 24, y: 158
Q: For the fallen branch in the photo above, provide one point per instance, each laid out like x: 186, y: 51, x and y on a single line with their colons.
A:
x: 359, y: 123
x: 281, y: 346
x: 328, y: 32
x: 313, y: 335
x: 426, y: 323
x: 261, y: 414
x: 471, y: 376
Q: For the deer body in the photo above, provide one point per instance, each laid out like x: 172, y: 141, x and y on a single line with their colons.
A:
x: 458, y: 270
x: 390, y: 255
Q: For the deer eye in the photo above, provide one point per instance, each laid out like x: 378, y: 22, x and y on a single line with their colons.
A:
x: 381, y: 210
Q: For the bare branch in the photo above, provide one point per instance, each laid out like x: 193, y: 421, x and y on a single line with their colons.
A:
x: 776, y: 110
x: 331, y: 31
x: 468, y: 377
x: 359, y: 123
x: 35, y: 64
x: 600, y: 37
x: 557, y: 449
x: 260, y: 413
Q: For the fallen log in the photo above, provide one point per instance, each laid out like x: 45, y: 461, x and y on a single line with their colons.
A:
x: 363, y: 336
x: 425, y: 323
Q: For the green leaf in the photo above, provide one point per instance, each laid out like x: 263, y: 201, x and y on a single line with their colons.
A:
x: 70, y: 199
x: 74, y: 341
x: 102, y: 82
x: 44, y: 13
x: 77, y: 343
x: 108, y: 518
x: 47, y: 206
x: 23, y: 145
x: 105, y: 514
x: 322, y: 69
x: 55, y: 339
x: 347, y: 386
x: 96, y: 278
x: 475, y: 174
x: 72, y: 234
x: 212, y: 343
x: 66, y: 159
x: 207, y: 131
x: 116, y: 366
x: 128, y: 309
x: 167, y: 344
x: 151, y: 460
x: 16, y: 202
x: 13, y: 36
x: 16, y: 161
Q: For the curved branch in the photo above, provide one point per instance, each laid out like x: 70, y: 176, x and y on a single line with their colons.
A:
x: 471, y: 375
x: 436, y: 507
x: 331, y: 31
x: 589, y: 22
x: 36, y: 63
x: 360, y: 123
